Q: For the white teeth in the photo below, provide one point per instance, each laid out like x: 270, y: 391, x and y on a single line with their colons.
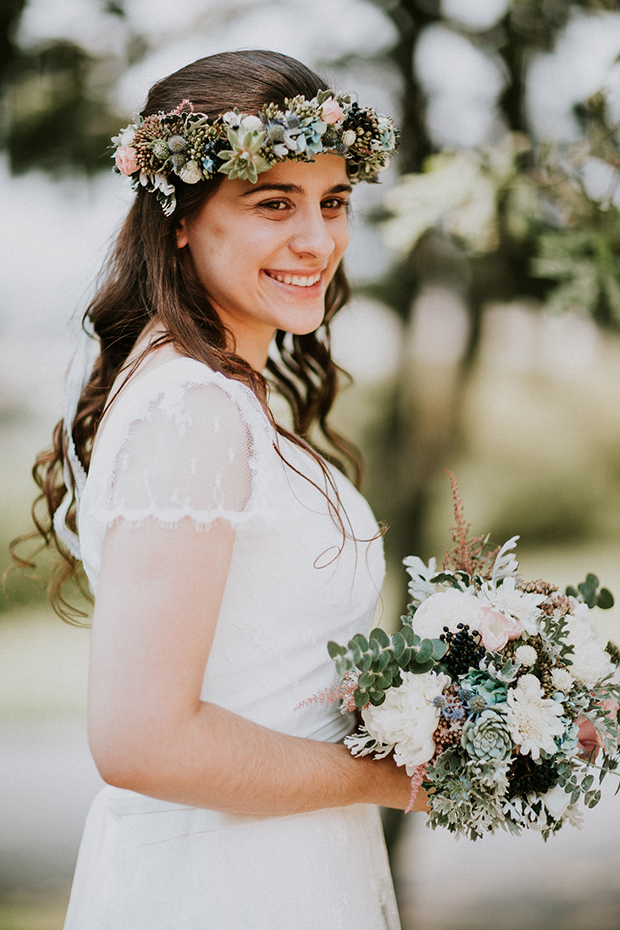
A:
x: 297, y: 281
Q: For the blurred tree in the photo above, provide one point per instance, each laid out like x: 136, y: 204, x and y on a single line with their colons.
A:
x: 511, y: 220
x: 57, y: 114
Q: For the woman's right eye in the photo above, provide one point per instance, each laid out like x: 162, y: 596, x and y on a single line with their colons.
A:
x: 275, y: 205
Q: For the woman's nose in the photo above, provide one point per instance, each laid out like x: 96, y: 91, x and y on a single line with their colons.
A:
x: 311, y: 235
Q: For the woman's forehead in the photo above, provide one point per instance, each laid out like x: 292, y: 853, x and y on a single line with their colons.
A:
x: 324, y: 173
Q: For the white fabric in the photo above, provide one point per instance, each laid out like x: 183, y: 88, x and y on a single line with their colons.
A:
x: 182, y: 441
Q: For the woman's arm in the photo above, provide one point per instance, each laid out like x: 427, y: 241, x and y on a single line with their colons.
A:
x: 158, y: 601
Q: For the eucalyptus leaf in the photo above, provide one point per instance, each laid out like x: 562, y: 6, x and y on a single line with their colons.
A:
x: 380, y: 636
x: 605, y: 599
x: 366, y: 680
x: 398, y: 645
x: 361, y: 697
x: 419, y: 669
x: 334, y: 649
x: 424, y: 651
x: 384, y: 681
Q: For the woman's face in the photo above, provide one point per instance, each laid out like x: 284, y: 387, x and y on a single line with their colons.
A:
x: 266, y: 252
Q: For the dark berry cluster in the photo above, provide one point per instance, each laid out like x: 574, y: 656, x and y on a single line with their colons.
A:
x: 527, y: 776
x: 464, y: 649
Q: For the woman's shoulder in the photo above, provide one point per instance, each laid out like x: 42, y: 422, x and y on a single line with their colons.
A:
x: 176, y: 384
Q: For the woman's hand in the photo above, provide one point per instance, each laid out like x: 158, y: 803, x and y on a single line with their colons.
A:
x: 393, y: 785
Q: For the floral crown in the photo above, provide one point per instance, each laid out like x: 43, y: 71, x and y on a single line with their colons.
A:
x: 195, y: 147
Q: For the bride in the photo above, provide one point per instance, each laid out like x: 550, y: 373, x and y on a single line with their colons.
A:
x: 223, y: 550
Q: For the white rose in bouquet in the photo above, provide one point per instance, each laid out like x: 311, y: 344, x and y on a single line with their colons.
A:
x: 447, y: 608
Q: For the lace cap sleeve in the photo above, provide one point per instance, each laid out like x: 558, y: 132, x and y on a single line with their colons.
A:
x: 188, y: 447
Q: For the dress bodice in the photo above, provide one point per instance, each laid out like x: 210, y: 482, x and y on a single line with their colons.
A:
x: 182, y: 442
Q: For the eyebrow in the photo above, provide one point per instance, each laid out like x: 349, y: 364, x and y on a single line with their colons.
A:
x: 293, y: 189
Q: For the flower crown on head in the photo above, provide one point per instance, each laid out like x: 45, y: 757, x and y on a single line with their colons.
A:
x: 196, y: 147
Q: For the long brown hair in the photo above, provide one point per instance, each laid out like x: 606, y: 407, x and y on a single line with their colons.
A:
x: 147, y: 277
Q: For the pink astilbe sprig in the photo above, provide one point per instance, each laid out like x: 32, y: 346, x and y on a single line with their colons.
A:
x: 341, y: 692
x: 417, y: 778
x: 468, y: 554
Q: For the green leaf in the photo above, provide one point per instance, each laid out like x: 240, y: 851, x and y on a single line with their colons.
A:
x: 439, y: 649
x: 377, y: 698
x: 365, y: 662
x: 570, y: 591
x: 334, y: 649
x: 425, y: 651
x: 361, y: 641
x: 384, y: 660
x: 408, y: 635
x: 380, y: 636
x: 361, y: 697
x: 605, y: 599
x: 384, y: 681
x: 419, y: 669
x: 398, y: 645
x: 356, y: 652
x: 343, y: 664
x: 592, y: 580
x: 588, y: 594
x: 366, y: 681
x: 406, y: 658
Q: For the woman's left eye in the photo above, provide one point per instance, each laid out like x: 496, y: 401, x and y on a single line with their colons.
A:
x: 335, y: 203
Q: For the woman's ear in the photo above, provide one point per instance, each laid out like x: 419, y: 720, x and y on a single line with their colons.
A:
x: 181, y: 235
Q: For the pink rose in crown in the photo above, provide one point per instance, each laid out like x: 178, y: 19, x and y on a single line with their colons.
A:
x: 126, y: 159
x: 331, y: 111
x: 496, y: 629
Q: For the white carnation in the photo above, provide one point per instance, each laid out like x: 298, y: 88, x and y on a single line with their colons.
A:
x: 590, y: 662
x: 533, y: 719
x: 507, y: 598
x: 526, y: 655
x: 447, y: 608
x: 407, y: 718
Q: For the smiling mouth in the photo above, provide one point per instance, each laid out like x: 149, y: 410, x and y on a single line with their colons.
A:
x: 296, y: 280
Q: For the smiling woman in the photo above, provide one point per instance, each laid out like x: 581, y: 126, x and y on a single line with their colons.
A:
x: 267, y: 252
x: 223, y: 550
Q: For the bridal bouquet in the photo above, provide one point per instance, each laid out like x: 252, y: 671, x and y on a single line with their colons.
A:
x: 481, y: 692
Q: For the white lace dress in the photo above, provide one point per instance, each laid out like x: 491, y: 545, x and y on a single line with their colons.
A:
x: 182, y: 441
